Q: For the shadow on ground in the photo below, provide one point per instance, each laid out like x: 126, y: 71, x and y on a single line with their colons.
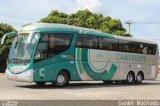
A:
x: 86, y: 85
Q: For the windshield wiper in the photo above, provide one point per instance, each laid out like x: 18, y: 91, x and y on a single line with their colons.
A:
x: 15, y: 61
x: 25, y: 61
x: 10, y: 61
x: 19, y: 61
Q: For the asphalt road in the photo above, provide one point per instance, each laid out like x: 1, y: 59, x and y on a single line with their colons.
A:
x: 85, y: 90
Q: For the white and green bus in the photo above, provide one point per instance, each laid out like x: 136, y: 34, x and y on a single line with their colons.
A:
x: 58, y: 53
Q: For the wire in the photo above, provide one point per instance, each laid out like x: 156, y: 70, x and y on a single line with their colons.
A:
x: 146, y: 22
x: 134, y: 22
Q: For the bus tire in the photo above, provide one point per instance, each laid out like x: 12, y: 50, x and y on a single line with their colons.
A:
x: 40, y: 83
x: 62, y: 79
x: 139, y: 78
x: 130, y: 78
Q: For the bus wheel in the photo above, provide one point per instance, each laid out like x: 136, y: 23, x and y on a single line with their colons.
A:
x: 139, y: 78
x: 40, y: 83
x: 62, y: 79
x: 130, y: 78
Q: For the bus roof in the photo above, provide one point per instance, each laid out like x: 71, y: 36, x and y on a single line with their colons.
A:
x: 80, y: 30
x: 48, y: 26
x: 135, y: 39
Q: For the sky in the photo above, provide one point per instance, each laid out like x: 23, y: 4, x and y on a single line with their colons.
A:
x: 144, y: 14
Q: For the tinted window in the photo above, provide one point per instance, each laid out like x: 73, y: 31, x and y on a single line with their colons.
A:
x: 42, y: 48
x: 103, y: 43
x: 85, y: 41
x: 108, y: 44
x: 141, y: 48
x: 152, y: 49
x: 58, y: 43
x: 52, y: 44
x: 127, y: 46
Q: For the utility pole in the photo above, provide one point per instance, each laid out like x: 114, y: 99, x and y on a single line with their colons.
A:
x: 129, y: 26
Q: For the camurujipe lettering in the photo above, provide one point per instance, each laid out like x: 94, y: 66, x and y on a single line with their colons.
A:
x: 133, y: 58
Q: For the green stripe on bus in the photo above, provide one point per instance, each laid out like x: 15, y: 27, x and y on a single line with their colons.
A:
x: 109, y: 75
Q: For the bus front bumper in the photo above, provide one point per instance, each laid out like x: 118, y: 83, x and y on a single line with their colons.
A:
x: 26, y: 76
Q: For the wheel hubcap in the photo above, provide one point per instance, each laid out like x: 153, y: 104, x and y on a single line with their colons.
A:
x: 139, y: 77
x: 130, y: 78
x: 60, y: 79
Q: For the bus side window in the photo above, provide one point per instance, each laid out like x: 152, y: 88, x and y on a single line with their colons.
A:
x: 123, y: 46
x: 52, y: 44
x: 86, y: 41
x: 100, y: 45
x: 58, y: 43
x: 41, y: 51
x: 127, y: 46
x: 152, y: 49
x: 108, y: 44
x: 141, y: 48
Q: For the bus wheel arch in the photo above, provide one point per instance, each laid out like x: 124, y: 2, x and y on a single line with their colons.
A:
x: 64, y: 70
x: 139, y: 77
x: 130, y: 78
x: 62, y: 79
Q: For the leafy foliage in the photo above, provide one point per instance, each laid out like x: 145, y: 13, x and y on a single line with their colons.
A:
x: 87, y: 19
x: 4, y: 49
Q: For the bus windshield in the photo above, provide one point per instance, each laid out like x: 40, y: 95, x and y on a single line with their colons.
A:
x: 22, y: 48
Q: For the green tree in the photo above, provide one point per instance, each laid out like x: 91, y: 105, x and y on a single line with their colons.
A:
x: 85, y: 18
x: 4, y: 49
x: 55, y: 17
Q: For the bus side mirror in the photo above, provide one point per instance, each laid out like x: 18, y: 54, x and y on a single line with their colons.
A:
x: 4, y: 38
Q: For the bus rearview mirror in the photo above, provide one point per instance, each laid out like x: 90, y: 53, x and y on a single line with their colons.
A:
x: 4, y: 38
